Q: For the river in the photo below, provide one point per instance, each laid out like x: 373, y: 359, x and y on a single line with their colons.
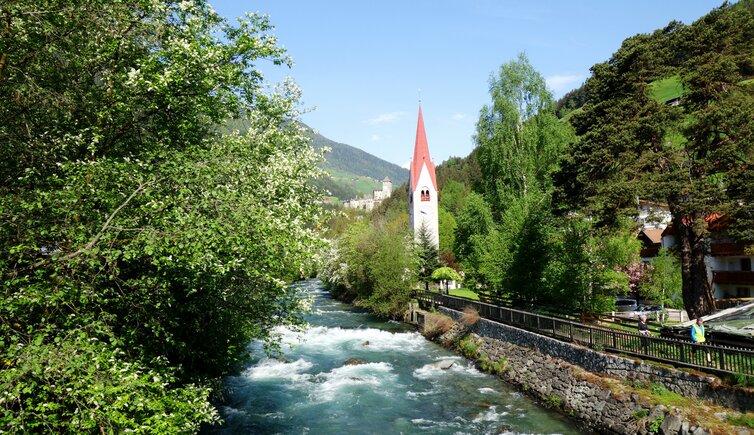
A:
x: 397, y: 390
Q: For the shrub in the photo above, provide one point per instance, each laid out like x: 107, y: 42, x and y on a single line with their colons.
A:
x: 437, y: 324
x: 470, y: 316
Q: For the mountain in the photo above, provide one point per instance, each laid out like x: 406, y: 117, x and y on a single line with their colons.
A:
x: 345, y: 158
x: 353, y: 172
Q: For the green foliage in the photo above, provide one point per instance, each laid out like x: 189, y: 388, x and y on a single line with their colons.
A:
x: 640, y: 413
x: 520, y: 250
x: 468, y: 347
x: 553, y: 401
x: 473, y: 224
x: 140, y: 250
x: 445, y: 274
x: 744, y: 380
x: 447, y: 229
x: 518, y: 136
x: 664, y: 283
x: 654, y: 425
x: 746, y: 420
x: 584, y: 272
x: 428, y: 254
x: 696, y: 157
x: 373, y: 262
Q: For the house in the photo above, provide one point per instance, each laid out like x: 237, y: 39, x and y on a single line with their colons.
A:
x: 728, y: 262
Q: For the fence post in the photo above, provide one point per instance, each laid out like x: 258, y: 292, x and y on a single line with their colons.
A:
x: 721, y: 353
x: 591, y: 337
x: 570, y: 330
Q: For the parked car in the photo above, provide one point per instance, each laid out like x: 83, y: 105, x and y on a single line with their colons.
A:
x: 625, y: 304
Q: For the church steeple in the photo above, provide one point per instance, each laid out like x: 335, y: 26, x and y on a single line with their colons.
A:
x: 422, y: 189
x: 421, y: 155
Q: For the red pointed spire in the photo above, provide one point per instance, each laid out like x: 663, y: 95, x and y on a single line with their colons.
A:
x: 421, y: 155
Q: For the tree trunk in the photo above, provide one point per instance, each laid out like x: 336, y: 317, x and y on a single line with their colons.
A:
x: 690, y: 239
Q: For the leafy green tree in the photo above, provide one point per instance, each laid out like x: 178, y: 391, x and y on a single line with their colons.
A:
x: 474, y: 222
x: 428, y: 253
x: 140, y: 250
x: 445, y: 274
x: 584, y: 273
x: 518, y: 136
x: 373, y: 264
x: 664, y: 282
x: 447, y: 229
x: 519, y: 251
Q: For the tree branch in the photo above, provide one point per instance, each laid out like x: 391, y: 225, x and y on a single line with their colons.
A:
x: 96, y: 238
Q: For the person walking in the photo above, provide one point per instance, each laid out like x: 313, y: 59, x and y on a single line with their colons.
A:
x: 644, y: 331
x: 697, y: 331
x: 697, y: 336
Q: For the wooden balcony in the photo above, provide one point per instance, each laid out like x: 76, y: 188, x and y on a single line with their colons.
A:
x: 727, y: 249
x: 733, y: 277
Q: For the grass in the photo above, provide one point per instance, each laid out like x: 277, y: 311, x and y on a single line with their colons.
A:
x: 364, y: 185
x: 666, y: 89
x: 464, y: 293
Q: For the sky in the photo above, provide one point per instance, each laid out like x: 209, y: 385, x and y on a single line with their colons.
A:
x: 363, y: 65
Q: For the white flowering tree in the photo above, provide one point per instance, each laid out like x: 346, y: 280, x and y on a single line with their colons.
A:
x: 140, y: 249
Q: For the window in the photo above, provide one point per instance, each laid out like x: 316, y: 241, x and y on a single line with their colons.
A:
x: 425, y: 195
x: 742, y: 292
x: 746, y: 264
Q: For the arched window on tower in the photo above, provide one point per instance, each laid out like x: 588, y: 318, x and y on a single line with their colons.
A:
x: 425, y: 195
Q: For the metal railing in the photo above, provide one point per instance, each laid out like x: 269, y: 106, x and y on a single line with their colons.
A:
x: 705, y: 357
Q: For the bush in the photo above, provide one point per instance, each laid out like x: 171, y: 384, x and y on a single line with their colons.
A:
x: 470, y: 316
x: 436, y: 324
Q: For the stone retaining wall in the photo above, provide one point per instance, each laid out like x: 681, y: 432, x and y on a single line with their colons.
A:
x: 590, y: 385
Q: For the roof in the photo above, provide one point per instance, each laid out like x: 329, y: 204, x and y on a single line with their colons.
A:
x: 386, y: 180
x: 654, y: 235
x: 421, y: 155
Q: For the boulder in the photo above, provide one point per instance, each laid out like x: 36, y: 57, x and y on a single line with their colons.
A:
x: 671, y: 425
x: 354, y: 362
x: 444, y: 364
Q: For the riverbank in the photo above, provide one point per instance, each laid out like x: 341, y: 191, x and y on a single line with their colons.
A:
x: 351, y: 372
x: 609, y: 394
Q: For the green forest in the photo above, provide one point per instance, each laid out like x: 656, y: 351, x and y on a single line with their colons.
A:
x: 143, y: 246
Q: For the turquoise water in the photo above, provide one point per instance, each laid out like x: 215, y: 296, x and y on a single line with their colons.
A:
x: 397, y: 390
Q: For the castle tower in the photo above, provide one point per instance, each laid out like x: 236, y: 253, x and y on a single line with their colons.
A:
x: 387, y: 187
x: 422, y: 188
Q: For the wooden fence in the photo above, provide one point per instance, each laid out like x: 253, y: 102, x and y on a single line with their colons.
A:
x: 705, y: 357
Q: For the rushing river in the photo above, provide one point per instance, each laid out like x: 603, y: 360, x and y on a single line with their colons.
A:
x: 397, y: 390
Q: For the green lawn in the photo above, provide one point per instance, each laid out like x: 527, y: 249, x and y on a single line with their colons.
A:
x: 666, y: 89
x: 463, y: 293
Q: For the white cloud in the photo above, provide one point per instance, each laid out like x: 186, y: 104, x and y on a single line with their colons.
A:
x: 563, y: 82
x: 406, y: 165
x: 375, y: 138
x: 458, y: 116
x: 385, y: 118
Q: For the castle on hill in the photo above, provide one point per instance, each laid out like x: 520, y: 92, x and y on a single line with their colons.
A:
x: 378, y: 196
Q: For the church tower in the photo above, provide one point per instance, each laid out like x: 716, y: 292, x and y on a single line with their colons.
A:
x: 422, y: 188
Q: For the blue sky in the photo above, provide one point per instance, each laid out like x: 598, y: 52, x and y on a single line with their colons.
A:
x: 360, y: 64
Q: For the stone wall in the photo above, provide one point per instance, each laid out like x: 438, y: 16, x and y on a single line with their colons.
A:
x: 590, y: 385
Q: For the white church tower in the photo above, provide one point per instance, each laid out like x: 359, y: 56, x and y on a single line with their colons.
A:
x: 422, y: 187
